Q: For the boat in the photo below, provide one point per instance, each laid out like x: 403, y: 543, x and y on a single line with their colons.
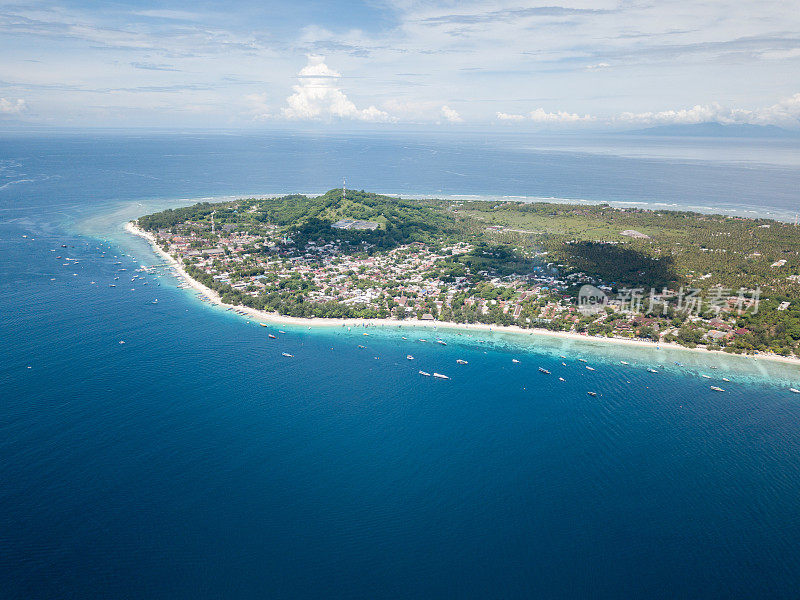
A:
x: 121, y: 341
x: 360, y: 346
x: 564, y: 357
x: 623, y: 362
x: 274, y: 337
x: 421, y: 340
x: 726, y: 379
x: 561, y: 379
x: 281, y: 331
x: 592, y: 393
x: 543, y: 370
x: 424, y: 373
x: 588, y: 368
x: 405, y: 338
x: 443, y: 343
x: 793, y: 390
x: 461, y: 361
x: 514, y: 360
x: 155, y: 301
x: 409, y: 357
x: 364, y: 334
x: 563, y: 364
x: 440, y: 376
x: 705, y: 376
x: 649, y: 370
x: 582, y: 359
x: 717, y: 389
x: 111, y: 285
x: 286, y: 354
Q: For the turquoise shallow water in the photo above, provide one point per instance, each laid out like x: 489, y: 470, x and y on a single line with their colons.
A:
x: 195, y: 461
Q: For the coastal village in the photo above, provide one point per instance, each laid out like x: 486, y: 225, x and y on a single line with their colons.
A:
x: 262, y: 266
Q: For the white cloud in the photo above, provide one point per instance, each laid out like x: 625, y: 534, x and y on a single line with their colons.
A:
x: 450, y: 115
x: 257, y: 106
x: 598, y: 66
x: 784, y: 112
x: 540, y: 115
x: 317, y: 96
x: 11, y: 107
x: 509, y: 117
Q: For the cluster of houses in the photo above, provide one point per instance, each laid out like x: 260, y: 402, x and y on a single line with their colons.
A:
x: 407, y: 280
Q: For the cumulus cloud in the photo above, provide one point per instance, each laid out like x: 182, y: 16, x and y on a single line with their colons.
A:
x: 598, y: 66
x: 12, y: 107
x: 540, y: 115
x: 317, y: 96
x: 510, y: 117
x: 257, y: 106
x: 450, y: 115
x: 784, y: 112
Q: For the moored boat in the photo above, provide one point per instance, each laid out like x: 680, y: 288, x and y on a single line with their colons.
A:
x: 440, y: 376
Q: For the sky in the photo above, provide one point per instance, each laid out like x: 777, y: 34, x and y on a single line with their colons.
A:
x: 394, y: 64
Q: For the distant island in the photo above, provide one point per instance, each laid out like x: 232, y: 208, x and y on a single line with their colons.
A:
x: 717, y: 130
x: 710, y: 281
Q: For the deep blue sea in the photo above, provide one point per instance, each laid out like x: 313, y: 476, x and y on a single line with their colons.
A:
x: 194, y: 461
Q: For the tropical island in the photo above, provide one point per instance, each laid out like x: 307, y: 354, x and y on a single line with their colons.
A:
x: 713, y: 281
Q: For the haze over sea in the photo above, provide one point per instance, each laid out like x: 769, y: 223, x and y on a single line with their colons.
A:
x: 195, y: 461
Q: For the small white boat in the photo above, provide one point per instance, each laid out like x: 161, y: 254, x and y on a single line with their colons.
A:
x: 588, y: 368
x: 281, y: 331
x: 651, y: 370
x: 461, y: 361
x: 726, y: 379
x: 543, y: 370
x: 717, y: 389
x: 274, y: 337
x: 122, y: 341
x: 623, y: 362
x: 440, y: 376
x: 405, y: 338
x: 793, y: 390
x: 561, y: 379
x: 563, y: 364
x: 592, y: 393
x: 360, y: 346
x: 409, y: 357
x: 705, y: 376
x: 111, y: 285
x: 514, y: 360
x: 424, y: 373
x: 443, y: 343
x: 263, y: 324
x: 421, y: 340
x: 286, y: 354
x: 564, y: 357
x: 582, y: 359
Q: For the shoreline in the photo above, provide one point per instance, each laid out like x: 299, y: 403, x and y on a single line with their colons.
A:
x: 215, y: 298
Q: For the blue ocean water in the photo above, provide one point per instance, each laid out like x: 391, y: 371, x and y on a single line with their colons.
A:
x: 195, y: 461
